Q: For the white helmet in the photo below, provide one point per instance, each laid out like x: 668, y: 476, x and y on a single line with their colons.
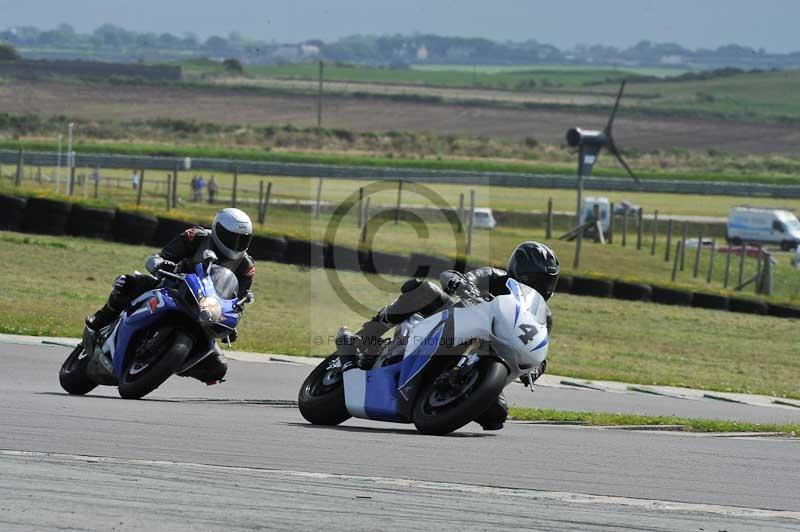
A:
x: 231, y: 232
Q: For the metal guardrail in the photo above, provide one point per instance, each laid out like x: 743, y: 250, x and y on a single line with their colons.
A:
x: 411, y: 174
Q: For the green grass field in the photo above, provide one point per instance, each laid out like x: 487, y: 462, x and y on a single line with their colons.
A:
x: 296, y: 311
x: 483, y: 76
x: 745, y: 96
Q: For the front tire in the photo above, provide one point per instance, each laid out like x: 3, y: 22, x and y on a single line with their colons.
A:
x: 430, y: 416
x: 321, y: 397
x: 156, y: 360
x: 72, y: 376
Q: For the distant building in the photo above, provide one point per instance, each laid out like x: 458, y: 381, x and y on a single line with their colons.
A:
x: 422, y: 53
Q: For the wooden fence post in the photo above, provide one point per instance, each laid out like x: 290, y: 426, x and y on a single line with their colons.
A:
x: 624, y: 225
x: 742, y: 252
x: 684, y: 237
x: 399, y: 199
x: 20, y: 169
x: 317, y: 205
x: 360, y: 221
x: 175, y: 187
x: 711, y: 261
x: 678, y: 254
x: 549, y: 230
x: 169, y: 191
x: 727, y: 268
x: 639, y: 228
x: 766, y: 284
x: 697, y: 255
x: 140, y: 188
x: 365, y: 228
x: 71, y: 180
x: 260, y: 201
x: 461, y: 212
x: 611, y: 224
x: 469, y: 221
x: 669, y: 241
x: 655, y: 233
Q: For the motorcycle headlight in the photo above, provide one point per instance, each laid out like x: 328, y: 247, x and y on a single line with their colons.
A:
x: 210, y: 309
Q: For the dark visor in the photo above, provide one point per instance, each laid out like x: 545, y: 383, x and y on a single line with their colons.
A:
x: 233, y: 241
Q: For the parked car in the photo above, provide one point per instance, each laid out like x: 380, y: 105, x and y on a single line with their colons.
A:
x: 619, y: 208
x: 482, y: 218
x: 759, y: 225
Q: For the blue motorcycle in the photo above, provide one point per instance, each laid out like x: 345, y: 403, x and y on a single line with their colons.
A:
x: 163, y: 332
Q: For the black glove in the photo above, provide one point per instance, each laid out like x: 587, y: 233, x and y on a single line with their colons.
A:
x: 165, y: 265
x: 451, y: 281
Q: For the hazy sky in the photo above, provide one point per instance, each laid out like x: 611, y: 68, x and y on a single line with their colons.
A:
x: 771, y: 24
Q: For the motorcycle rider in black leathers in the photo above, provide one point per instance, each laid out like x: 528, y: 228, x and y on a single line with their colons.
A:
x: 531, y: 263
x: 229, y: 237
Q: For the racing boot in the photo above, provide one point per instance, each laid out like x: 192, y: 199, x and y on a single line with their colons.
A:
x: 210, y: 370
x: 101, y: 318
x: 495, y: 415
x: 528, y: 379
x: 347, y: 343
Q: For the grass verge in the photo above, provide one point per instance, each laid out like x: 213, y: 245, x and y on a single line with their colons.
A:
x: 607, y: 419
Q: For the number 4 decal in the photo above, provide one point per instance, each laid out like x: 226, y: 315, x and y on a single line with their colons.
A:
x: 529, y: 332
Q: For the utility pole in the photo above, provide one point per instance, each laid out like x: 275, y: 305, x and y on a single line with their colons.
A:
x: 319, y: 95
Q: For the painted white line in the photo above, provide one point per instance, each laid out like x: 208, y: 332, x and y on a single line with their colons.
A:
x: 530, y: 494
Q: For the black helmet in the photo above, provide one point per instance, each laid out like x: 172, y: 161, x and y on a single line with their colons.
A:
x: 535, y: 265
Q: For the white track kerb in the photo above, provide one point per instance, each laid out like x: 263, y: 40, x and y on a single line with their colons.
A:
x: 551, y: 381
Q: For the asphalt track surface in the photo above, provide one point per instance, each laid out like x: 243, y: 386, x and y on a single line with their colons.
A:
x: 237, y: 457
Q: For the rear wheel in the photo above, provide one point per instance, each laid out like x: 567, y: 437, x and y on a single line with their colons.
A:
x: 443, y: 407
x: 321, y: 397
x: 72, y: 376
x: 156, y: 360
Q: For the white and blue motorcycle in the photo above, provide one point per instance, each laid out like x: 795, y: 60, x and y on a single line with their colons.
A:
x: 439, y: 372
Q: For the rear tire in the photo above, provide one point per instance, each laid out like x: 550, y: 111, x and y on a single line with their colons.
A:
x: 321, y: 397
x: 72, y: 376
x: 163, y: 353
x: 492, y: 376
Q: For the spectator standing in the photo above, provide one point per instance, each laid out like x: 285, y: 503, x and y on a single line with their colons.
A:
x: 201, y: 184
x: 193, y: 185
x: 134, y: 180
x: 212, y: 189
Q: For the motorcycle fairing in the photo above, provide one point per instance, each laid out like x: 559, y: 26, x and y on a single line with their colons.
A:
x: 143, y: 312
x: 378, y: 394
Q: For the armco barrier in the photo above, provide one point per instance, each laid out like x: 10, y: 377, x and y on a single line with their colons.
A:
x: 45, y: 216
x: 35, y: 158
x: 90, y: 222
x: 12, y: 211
x: 133, y: 228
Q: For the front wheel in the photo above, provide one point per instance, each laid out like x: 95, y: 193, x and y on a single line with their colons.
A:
x: 441, y: 409
x: 321, y: 397
x: 156, y: 360
x: 72, y: 376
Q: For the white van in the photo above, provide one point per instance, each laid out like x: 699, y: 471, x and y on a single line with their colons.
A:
x: 587, y: 211
x: 483, y: 218
x: 760, y: 225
